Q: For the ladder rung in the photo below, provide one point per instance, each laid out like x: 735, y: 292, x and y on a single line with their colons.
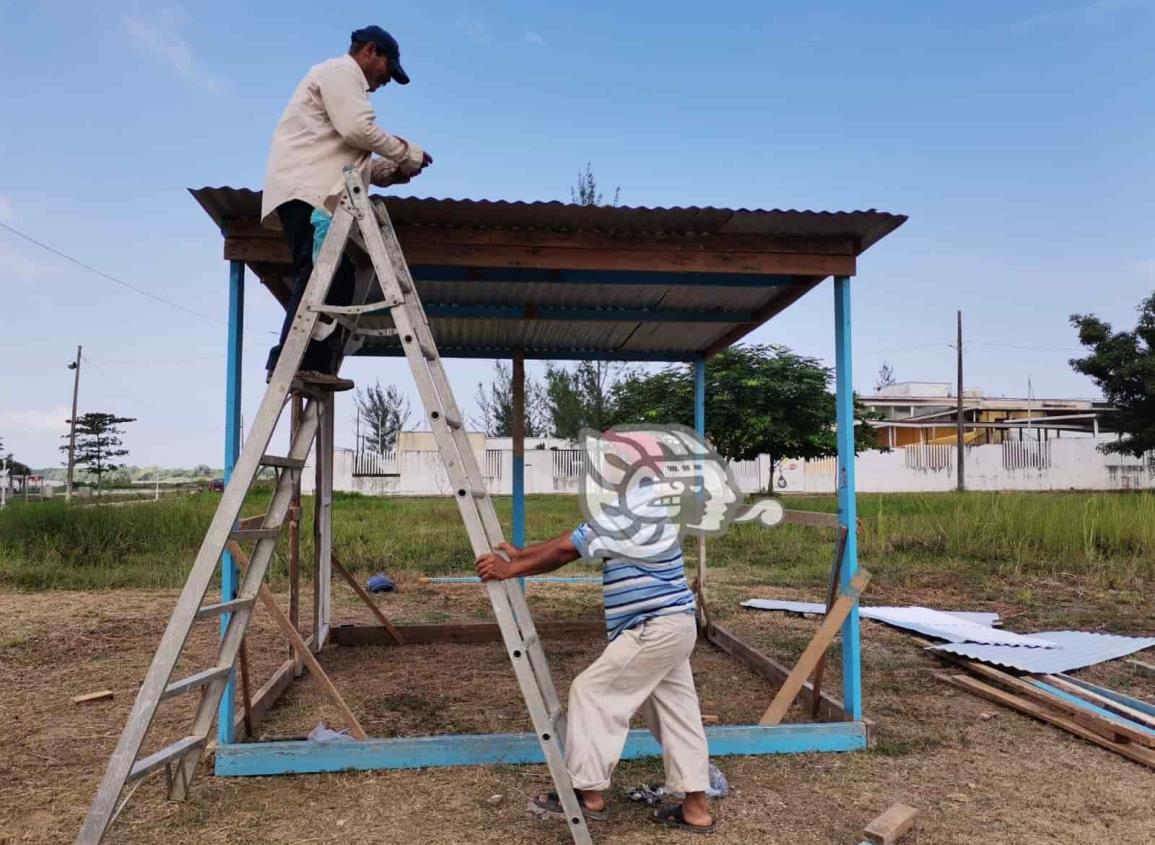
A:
x: 196, y: 681
x: 356, y: 310
x: 283, y: 463
x: 223, y: 607
x: 154, y: 761
x: 244, y: 534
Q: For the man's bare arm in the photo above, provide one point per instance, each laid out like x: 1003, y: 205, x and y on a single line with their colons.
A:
x: 532, y: 560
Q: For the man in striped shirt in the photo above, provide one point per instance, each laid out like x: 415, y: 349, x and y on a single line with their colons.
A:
x: 652, y: 629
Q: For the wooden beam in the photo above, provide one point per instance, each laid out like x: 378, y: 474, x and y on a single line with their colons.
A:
x: 776, y: 305
x: 831, y: 595
x: 827, y: 631
x: 270, y: 251
x: 339, y: 567
x: 830, y: 708
x: 100, y: 695
x: 887, y: 828
x: 469, y: 632
x: 269, y: 693
x: 246, y: 695
x: 813, y: 519
x: 1103, y: 701
x: 1129, y: 750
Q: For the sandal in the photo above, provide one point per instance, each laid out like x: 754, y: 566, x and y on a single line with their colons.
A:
x: 673, y: 817
x: 550, y: 804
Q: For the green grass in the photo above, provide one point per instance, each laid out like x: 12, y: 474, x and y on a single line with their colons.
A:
x: 1103, y: 539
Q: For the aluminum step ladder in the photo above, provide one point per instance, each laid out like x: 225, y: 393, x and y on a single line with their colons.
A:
x: 368, y: 225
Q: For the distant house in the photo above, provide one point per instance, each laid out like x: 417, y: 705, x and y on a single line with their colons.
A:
x: 926, y: 412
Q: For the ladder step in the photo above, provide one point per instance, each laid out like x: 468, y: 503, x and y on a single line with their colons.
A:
x: 244, y: 534
x: 356, y: 310
x: 154, y: 761
x: 224, y: 607
x: 282, y: 463
x: 196, y: 681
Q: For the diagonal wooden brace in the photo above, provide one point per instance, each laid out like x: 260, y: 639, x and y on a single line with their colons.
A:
x: 817, y: 648
x: 304, y: 652
x: 368, y: 599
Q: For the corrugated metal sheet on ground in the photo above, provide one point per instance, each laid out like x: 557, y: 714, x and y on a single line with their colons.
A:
x: 1073, y: 650
x: 954, y: 627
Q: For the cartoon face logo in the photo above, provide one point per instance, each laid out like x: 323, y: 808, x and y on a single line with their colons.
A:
x: 643, y: 487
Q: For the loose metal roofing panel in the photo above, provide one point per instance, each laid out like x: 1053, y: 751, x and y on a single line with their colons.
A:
x: 726, y: 307
x: 1073, y: 650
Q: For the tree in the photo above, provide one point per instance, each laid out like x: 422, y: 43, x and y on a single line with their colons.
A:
x: 885, y: 377
x: 98, y: 443
x: 495, y: 403
x: 586, y: 191
x: 1122, y: 364
x: 581, y: 397
x: 385, y: 413
x: 759, y: 400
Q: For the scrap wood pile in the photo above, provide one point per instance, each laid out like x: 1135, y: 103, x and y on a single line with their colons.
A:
x: 1110, y: 719
x: 1032, y: 677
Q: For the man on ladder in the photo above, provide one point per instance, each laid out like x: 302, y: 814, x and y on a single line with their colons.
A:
x: 329, y: 124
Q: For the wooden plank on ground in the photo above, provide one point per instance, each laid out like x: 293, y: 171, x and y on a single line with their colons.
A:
x: 88, y: 697
x: 887, y: 828
x: 469, y: 632
x: 830, y: 708
x: 365, y: 597
x: 1129, y: 750
x: 1102, y: 700
x: 827, y: 631
x: 1091, y: 721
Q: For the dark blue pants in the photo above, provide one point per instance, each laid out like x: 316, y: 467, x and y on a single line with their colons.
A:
x: 320, y: 355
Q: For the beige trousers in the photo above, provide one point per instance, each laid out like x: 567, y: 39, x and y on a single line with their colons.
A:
x: 646, y: 668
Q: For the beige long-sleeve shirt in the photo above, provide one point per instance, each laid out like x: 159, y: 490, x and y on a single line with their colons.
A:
x: 328, y: 125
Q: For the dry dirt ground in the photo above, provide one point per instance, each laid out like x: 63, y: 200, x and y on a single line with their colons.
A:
x: 976, y: 777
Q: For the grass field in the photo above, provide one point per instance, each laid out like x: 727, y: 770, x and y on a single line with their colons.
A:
x: 1106, y: 540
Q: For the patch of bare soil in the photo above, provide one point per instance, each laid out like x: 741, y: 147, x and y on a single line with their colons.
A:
x: 977, y: 777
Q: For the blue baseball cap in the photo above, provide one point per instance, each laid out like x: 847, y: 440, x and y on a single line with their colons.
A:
x: 387, y: 45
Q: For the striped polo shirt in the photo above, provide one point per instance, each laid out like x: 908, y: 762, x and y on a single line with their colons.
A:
x: 635, y: 590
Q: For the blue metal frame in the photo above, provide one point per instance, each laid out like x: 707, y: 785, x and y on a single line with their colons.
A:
x: 279, y: 758
x: 847, y: 504
x: 232, y: 451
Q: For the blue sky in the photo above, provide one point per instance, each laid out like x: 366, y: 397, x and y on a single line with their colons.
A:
x: 1018, y: 136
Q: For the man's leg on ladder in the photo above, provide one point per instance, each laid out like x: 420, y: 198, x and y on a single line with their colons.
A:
x: 674, y: 717
x: 319, y: 355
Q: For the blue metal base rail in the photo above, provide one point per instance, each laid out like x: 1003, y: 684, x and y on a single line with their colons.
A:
x: 281, y: 758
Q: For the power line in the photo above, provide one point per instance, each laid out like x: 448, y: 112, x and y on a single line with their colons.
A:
x: 110, y: 277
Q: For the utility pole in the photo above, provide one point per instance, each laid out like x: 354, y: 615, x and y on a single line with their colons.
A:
x: 75, y: 365
x: 961, y: 446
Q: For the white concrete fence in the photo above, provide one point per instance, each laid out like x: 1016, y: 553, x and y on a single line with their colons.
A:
x: 1058, y: 464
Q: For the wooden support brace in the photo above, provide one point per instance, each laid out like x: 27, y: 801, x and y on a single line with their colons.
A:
x: 1102, y: 700
x: 831, y: 595
x: 814, y: 651
x: 887, y: 828
x: 246, y: 697
x: 303, y: 648
x: 368, y: 599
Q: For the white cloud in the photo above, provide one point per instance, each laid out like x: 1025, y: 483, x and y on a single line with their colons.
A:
x: 1144, y: 267
x: 159, y: 36
x: 7, y: 210
x: 31, y: 421
x: 533, y: 38
x: 475, y: 29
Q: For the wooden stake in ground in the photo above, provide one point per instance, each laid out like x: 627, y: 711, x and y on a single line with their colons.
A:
x: 887, y: 828
x: 822, y: 640
x: 303, y: 650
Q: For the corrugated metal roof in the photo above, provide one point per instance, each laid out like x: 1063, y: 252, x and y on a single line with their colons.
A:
x: 865, y: 227
x: 588, y: 333
x: 1073, y: 650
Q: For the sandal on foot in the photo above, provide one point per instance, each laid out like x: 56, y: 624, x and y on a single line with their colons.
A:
x: 549, y: 803
x: 674, y: 817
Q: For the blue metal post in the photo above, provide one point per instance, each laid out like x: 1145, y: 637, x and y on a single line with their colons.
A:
x: 232, y: 450
x: 847, y: 506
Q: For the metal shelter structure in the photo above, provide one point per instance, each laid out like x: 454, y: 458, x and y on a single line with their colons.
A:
x: 554, y: 281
